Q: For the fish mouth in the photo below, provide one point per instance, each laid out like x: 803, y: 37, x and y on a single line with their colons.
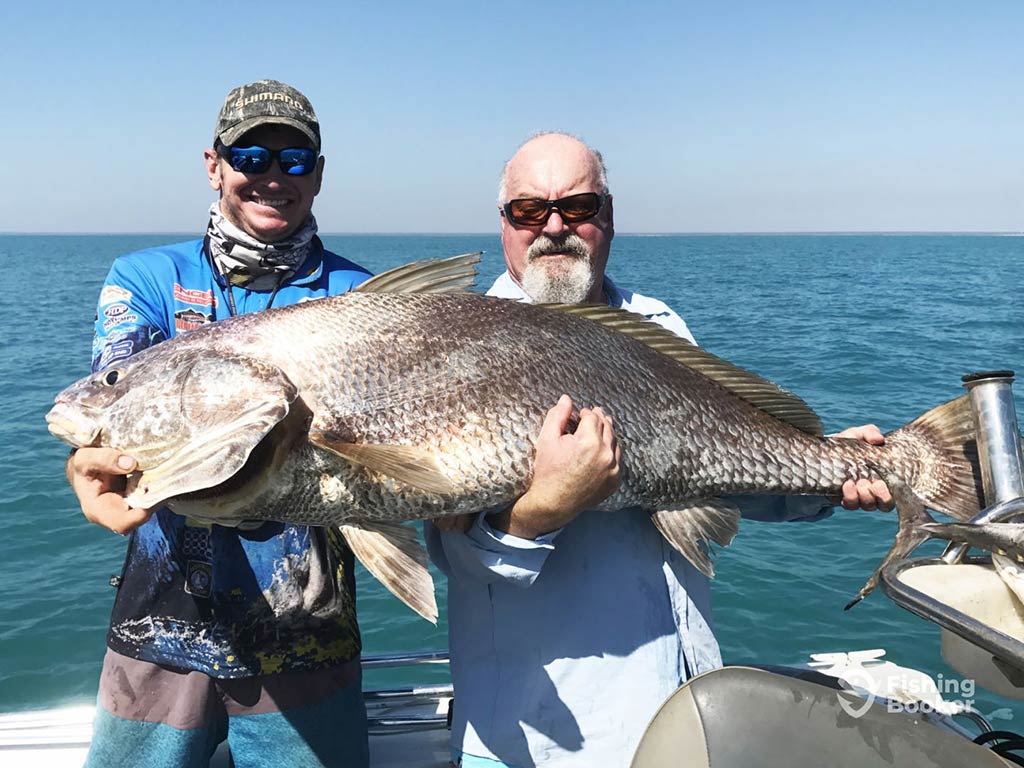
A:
x: 71, y: 428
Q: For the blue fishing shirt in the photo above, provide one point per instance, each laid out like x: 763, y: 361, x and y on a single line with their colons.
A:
x: 193, y: 596
x: 563, y: 647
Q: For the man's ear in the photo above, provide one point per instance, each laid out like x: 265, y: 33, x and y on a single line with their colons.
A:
x: 610, y: 211
x: 319, y: 175
x: 212, y: 162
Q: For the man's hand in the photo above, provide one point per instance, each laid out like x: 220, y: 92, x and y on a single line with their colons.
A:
x: 97, y: 476
x: 865, y: 494
x: 571, y: 472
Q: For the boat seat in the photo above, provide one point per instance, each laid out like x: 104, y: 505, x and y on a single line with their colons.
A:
x: 741, y: 717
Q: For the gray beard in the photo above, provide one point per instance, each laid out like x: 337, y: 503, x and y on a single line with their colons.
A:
x: 568, y: 282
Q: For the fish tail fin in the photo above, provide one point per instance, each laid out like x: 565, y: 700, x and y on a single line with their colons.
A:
x: 935, y: 465
x: 939, y: 457
x: 913, y: 523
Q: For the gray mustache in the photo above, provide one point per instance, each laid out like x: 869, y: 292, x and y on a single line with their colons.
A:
x: 544, y: 245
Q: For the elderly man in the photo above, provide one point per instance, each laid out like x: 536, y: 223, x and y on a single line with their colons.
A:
x: 569, y: 627
x: 248, y: 635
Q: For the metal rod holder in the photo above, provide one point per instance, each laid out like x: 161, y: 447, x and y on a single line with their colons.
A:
x: 999, y: 446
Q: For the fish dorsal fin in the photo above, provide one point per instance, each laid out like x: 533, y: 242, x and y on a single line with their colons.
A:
x: 452, y: 275
x: 393, y: 554
x: 759, y: 392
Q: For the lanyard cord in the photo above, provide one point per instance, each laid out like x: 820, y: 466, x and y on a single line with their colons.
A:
x: 229, y: 293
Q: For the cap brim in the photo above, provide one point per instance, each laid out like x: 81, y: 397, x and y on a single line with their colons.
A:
x: 233, y: 134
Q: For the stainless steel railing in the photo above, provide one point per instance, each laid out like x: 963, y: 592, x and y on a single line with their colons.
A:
x: 1000, y: 454
x: 407, y: 709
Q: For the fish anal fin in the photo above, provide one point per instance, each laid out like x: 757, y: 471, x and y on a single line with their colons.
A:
x: 452, y: 275
x: 685, y: 526
x: 407, y: 464
x: 911, y: 534
x: 395, y: 557
x: 746, y: 385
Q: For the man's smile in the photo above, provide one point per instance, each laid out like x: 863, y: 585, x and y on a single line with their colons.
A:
x: 271, y: 202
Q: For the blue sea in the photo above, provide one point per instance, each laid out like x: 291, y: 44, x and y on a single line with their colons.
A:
x: 867, y: 328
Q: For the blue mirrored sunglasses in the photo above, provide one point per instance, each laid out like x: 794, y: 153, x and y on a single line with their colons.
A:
x: 296, y: 161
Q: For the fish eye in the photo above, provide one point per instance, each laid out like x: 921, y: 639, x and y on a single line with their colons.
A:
x: 110, y: 378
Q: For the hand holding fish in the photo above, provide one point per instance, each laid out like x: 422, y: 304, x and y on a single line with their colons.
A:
x: 866, y: 494
x: 573, y: 471
x: 98, y: 478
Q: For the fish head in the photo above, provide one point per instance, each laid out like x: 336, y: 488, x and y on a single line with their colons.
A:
x: 126, y: 406
x: 189, y: 416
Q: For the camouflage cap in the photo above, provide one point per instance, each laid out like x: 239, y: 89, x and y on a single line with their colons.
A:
x: 262, y: 102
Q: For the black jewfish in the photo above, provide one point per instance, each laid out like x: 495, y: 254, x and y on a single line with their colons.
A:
x: 410, y: 398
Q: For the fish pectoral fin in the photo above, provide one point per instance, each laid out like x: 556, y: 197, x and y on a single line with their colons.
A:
x: 703, y: 520
x: 452, y: 275
x: 393, y: 554
x: 405, y: 463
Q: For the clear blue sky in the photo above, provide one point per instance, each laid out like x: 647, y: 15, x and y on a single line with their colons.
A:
x: 712, y: 116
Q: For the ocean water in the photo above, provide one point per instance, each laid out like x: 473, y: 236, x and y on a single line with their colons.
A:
x: 863, y: 327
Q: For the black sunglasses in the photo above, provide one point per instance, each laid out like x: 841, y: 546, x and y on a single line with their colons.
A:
x: 530, y: 212
x: 295, y: 161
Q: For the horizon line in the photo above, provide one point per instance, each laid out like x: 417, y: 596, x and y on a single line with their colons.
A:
x: 495, y: 233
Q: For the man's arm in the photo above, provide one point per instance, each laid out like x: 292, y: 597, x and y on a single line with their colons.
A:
x: 860, y: 494
x: 575, y: 474
x: 573, y: 471
x: 98, y: 475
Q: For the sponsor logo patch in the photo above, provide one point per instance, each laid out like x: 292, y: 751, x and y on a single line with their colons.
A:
x: 190, y: 319
x: 116, y: 310
x: 128, y: 340
x: 199, y: 578
x: 112, y: 293
x: 117, y: 351
x: 194, y: 296
x: 118, y: 319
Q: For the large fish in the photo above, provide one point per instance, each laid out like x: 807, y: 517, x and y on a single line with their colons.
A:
x: 410, y: 398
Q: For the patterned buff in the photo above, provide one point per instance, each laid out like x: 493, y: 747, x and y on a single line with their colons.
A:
x: 245, y: 261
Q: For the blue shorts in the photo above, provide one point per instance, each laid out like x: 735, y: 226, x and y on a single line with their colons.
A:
x: 152, y: 716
